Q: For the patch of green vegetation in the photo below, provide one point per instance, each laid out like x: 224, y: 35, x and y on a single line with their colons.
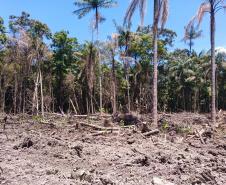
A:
x: 180, y: 129
x: 121, y: 123
x: 102, y: 110
x: 183, y: 129
x: 165, y: 125
x: 38, y: 118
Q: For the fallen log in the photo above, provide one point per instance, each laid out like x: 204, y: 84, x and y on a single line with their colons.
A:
x: 99, y: 133
x: 151, y: 133
x: 92, y: 116
x: 96, y: 127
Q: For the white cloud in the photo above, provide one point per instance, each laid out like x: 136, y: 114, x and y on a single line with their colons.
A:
x: 220, y: 50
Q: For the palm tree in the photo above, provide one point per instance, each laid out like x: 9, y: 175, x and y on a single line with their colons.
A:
x: 191, y: 33
x: 212, y: 7
x: 85, y: 7
x: 160, y: 16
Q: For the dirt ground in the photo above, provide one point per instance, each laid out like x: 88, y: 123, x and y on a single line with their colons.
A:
x: 59, y: 151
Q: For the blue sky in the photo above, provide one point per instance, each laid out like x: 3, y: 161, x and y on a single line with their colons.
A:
x: 58, y: 15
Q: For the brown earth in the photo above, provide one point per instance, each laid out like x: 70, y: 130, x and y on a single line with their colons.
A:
x: 59, y: 151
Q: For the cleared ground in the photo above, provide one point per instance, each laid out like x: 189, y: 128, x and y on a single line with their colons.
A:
x: 59, y: 151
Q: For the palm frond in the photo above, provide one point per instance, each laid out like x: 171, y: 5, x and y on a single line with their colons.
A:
x: 82, y: 12
x: 164, y: 12
x: 191, y: 33
x: 130, y: 11
x: 86, y: 6
x: 142, y: 7
x: 203, y: 9
x: 108, y: 4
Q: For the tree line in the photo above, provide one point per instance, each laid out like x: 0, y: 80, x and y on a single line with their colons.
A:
x: 41, y: 71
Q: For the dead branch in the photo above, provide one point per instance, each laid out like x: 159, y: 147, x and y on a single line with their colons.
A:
x: 199, y: 134
x: 62, y: 112
x: 73, y: 106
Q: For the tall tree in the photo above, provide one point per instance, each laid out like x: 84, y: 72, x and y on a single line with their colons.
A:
x: 64, y: 48
x: 3, y: 39
x: 38, y: 32
x: 85, y: 7
x: 211, y: 7
x: 21, y: 54
x: 191, y: 33
x: 160, y: 16
x: 111, y: 52
x: 88, y: 56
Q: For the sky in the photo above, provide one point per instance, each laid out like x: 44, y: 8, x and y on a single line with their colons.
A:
x: 57, y: 14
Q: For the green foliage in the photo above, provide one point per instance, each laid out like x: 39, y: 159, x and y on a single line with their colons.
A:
x: 17, y: 23
x: 70, y: 70
x: 121, y: 123
x: 63, y: 52
x: 3, y: 37
x: 64, y: 61
x: 37, y: 118
x: 39, y: 30
x: 165, y: 125
x: 183, y: 129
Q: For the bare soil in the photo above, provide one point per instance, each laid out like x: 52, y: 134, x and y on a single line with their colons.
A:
x: 60, y: 151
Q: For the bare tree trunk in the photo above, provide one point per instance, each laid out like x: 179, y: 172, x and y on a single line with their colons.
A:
x: 15, y: 94
x: 184, y: 99
x: 114, y: 85
x: 99, y: 57
x: 195, y: 100
x: 53, y: 100
x: 128, y: 90
x: 3, y: 101
x: 0, y: 94
x: 91, y: 102
x: 155, y: 60
x: 41, y: 88
x: 100, y: 81
x: 217, y: 89
x: 213, y: 65
x: 21, y: 92
x: 24, y: 102
x: 87, y: 106
x: 35, y: 97
x: 190, y: 46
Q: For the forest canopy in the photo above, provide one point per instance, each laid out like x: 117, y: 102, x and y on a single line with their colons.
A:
x: 43, y: 71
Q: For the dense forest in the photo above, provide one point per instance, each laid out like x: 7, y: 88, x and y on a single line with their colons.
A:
x: 41, y: 71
